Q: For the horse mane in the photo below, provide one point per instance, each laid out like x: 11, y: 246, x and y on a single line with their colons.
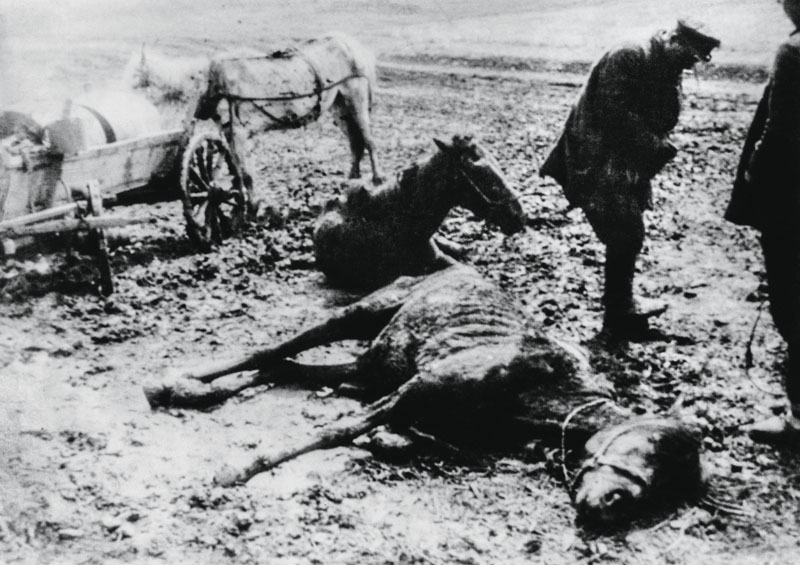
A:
x: 403, y: 189
x: 165, y: 78
x: 360, y: 201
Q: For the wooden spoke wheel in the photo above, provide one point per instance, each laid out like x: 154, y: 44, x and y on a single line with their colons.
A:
x: 215, y: 200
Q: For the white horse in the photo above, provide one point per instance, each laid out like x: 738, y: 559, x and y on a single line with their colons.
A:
x: 291, y: 88
x: 166, y: 79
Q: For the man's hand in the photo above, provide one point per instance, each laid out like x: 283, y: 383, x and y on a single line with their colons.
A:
x: 667, y: 152
x: 663, y: 155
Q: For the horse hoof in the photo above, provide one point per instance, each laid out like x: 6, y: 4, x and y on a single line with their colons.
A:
x: 228, y: 477
x: 159, y: 396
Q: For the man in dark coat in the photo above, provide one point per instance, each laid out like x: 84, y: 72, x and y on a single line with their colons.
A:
x: 615, y: 140
x: 766, y: 196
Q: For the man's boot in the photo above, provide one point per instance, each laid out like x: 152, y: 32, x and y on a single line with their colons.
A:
x: 622, y: 321
x: 783, y: 430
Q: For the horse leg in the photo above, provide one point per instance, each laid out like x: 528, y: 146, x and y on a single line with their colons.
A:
x: 240, y: 149
x: 356, y: 148
x: 363, y: 122
x: 449, y: 248
x: 357, y: 115
x: 343, y: 119
x: 434, y: 259
x: 361, y: 320
x: 334, y: 435
x: 191, y: 393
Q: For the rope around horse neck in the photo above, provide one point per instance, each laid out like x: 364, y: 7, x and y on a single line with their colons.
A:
x: 748, y: 356
x: 599, y: 459
x: 591, y: 404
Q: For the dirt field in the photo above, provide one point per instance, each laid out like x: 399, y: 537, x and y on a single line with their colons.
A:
x: 89, y: 474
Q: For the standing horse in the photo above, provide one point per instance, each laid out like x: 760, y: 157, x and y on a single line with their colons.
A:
x: 367, y: 239
x: 291, y: 88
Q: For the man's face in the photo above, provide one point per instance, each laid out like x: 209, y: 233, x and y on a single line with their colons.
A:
x: 792, y: 9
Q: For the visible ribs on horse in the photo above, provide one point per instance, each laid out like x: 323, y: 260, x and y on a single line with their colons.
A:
x: 451, y: 355
x: 366, y: 239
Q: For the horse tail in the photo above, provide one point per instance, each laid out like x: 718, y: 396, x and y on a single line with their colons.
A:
x: 371, y: 73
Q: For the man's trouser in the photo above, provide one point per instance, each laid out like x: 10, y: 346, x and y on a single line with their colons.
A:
x: 616, y: 217
x: 781, y: 247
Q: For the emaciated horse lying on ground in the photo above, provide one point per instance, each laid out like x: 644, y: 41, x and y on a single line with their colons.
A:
x: 455, y: 357
x: 291, y: 88
x: 366, y: 239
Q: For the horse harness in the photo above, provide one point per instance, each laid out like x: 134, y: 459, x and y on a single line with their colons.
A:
x: 487, y: 201
x: 291, y: 121
x: 602, y: 459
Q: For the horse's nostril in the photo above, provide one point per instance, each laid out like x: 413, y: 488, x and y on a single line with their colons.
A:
x: 613, y: 498
x: 590, y: 513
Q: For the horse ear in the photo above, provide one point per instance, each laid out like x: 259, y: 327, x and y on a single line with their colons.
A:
x: 443, y: 146
x: 675, y: 410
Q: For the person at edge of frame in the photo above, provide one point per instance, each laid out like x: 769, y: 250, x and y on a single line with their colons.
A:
x: 766, y: 196
x: 615, y: 140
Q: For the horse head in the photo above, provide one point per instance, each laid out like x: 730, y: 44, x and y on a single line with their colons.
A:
x: 208, y: 102
x: 166, y: 78
x: 482, y: 185
x: 207, y: 105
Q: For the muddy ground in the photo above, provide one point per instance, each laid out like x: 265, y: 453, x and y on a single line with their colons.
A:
x: 90, y: 475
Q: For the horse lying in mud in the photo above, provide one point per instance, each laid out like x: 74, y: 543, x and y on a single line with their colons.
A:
x: 291, y: 88
x: 366, y: 239
x: 455, y: 357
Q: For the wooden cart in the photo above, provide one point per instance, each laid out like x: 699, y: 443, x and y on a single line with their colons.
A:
x: 43, y: 191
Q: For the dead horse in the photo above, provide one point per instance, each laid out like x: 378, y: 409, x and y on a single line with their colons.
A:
x: 454, y: 356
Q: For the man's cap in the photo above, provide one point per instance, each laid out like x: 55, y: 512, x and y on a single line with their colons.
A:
x: 690, y: 34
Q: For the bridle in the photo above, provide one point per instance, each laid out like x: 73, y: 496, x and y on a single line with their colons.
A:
x: 601, y: 459
x: 490, y: 204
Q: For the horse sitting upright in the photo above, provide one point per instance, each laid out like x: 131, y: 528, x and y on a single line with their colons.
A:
x: 291, y: 88
x: 367, y: 239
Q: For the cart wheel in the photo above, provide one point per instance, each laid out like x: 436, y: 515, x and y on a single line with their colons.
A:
x: 215, y: 200
x: 97, y: 239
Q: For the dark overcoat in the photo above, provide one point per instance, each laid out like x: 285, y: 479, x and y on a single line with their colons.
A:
x: 766, y: 191
x: 616, y: 135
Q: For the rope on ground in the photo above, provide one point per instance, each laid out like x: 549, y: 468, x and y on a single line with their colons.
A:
x: 711, y: 502
x: 565, y: 423
x: 748, y: 357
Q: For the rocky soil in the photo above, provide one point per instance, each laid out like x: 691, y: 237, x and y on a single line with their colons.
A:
x: 90, y: 475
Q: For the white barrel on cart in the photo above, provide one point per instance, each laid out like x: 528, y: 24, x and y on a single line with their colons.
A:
x: 38, y: 137
x: 91, y: 119
x: 105, y: 116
